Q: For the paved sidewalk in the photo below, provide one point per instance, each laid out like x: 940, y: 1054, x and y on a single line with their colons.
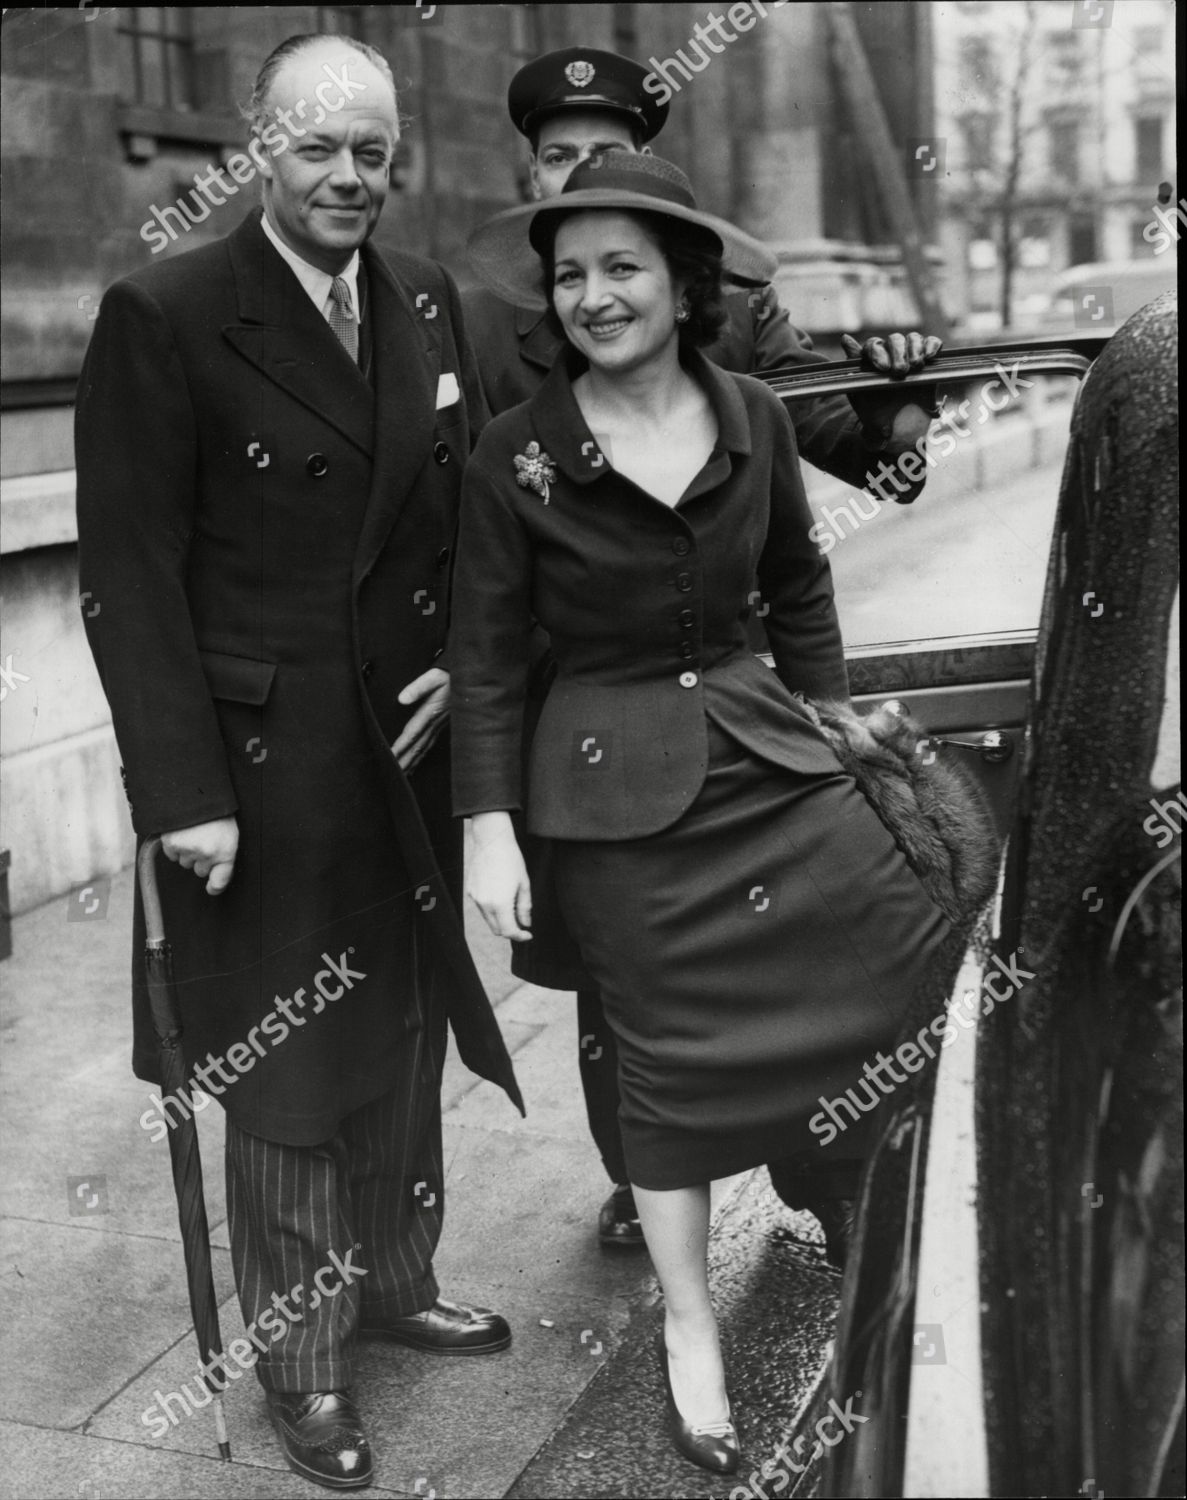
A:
x: 94, y: 1317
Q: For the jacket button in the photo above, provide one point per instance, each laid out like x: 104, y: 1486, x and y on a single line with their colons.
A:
x: 316, y: 465
x: 368, y: 670
x: 684, y: 582
x: 680, y: 546
x: 687, y: 649
x: 688, y: 679
x: 686, y: 619
x: 442, y: 557
x: 441, y: 453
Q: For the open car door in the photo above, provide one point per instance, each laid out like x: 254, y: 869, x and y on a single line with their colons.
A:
x: 1012, y: 1310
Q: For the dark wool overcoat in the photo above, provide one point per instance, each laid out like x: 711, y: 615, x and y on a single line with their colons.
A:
x: 265, y: 542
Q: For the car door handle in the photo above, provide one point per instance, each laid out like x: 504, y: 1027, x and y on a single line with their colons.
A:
x: 993, y: 747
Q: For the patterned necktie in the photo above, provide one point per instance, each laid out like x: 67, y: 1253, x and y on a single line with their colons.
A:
x: 342, y: 319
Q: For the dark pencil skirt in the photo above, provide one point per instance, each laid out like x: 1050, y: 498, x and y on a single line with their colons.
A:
x: 752, y: 957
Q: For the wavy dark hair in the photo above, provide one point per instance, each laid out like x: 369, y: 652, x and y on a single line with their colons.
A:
x: 692, y: 254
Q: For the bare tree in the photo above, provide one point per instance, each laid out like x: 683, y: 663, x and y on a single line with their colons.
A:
x: 1016, y: 134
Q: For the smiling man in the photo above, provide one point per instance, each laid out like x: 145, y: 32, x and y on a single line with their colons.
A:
x: 270, y: 437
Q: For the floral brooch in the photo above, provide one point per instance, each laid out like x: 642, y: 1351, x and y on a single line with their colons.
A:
x: 534, y: 470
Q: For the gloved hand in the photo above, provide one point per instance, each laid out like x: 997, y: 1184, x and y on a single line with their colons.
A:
x: 891, y: 417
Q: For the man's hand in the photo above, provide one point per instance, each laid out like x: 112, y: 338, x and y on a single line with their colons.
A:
x: 497, y: 879
x: 894, y: 419
x: 208, y: 849
x: 431, y: 691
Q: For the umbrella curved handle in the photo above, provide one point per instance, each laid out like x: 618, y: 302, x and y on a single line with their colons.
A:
x: 146, y: 873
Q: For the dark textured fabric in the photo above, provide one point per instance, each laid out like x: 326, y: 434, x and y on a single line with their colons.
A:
x: 598, y: 1063
x: 1079, y: 1079
x: 268, y: 565
x: 750, y: 957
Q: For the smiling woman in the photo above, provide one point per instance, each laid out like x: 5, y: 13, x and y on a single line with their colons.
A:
x: 752, y: 929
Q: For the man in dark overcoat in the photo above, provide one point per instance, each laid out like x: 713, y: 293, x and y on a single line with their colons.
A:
x: 571, y: 105
x: 271, y: 432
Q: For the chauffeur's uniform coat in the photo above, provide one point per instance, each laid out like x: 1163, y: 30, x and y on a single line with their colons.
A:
x: 265, y: 544
x: 753, y: 930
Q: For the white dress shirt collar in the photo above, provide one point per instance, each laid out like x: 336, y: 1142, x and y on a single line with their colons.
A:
x: 316, y: 282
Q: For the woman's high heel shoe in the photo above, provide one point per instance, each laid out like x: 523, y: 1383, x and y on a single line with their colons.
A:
x: 713, y: 1446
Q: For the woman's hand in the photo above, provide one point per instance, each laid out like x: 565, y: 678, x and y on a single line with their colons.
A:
x: 497, y: 881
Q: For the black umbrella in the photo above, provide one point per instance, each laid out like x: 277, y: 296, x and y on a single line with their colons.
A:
x: 183, y: 1136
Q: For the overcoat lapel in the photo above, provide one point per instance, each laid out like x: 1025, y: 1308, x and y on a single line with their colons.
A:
x: 284, y: 336
x: 407, y: 363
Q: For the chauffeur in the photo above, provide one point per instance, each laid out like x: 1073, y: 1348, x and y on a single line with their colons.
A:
x: 570, y: 105
x: 271, y: 432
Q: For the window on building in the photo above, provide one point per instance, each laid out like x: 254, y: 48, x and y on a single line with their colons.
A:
x: 1081, y: 240
x: 1065, y: 60
x: 626, y: 31
x: 1148, y: 144
x: 343, y: 20
x: 159, y: 52
x: 978, y: 63
x: 1064, y: 149
x: 978, y: 142
x: 526, y: 33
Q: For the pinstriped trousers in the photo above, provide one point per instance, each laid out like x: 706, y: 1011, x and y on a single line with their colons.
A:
x: 306, y: 1221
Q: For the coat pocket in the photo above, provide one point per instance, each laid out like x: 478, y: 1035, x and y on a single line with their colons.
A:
x: 238, y: 679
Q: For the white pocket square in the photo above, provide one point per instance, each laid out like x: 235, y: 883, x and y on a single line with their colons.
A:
x: 447, y: 390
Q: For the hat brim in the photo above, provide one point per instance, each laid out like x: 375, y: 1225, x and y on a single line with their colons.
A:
x: 503, y: 259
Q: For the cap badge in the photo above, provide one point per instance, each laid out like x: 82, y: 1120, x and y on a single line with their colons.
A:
x: 580, y: 73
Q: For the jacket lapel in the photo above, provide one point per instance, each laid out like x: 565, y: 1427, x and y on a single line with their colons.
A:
x: 407, y: 362
x: 284, y: 336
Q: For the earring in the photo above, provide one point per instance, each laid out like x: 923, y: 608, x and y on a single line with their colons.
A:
x: 682, y: 313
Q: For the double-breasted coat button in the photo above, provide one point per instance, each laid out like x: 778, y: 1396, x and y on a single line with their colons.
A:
x: 688, y: 679
x: 316, y: 465
x: 680, y: 546
x: 442, y: 557
x: 441, y: 453
x: 368, y: 670
x: 686, y: 649
x: 686, y: 619
x: 684, y: 582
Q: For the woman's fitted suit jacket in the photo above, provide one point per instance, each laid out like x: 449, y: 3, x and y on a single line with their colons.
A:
x: 646, y: 606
